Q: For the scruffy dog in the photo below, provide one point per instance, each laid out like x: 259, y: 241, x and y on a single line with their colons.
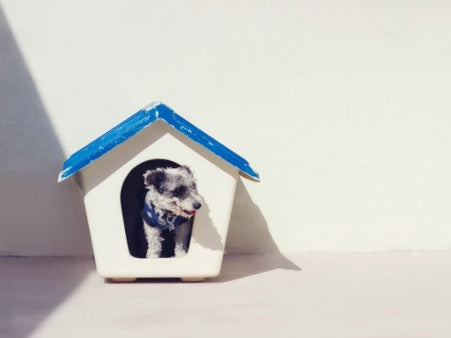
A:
x: 171, y: 201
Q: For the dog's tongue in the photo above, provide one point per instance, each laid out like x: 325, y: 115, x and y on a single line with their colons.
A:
x: 191, y: 213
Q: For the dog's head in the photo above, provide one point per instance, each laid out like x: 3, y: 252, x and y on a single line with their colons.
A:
x: 172, y: 189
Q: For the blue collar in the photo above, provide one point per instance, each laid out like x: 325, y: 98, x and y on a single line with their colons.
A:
x: 166, y: 221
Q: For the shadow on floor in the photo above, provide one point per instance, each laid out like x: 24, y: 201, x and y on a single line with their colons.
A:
x: 33, y: 288
x: 243, y: 266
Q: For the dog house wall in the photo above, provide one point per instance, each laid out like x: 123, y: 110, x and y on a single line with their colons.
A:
x: 102, y: 181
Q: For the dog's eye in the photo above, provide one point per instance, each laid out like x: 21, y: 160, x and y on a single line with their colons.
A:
x: 179, y: 191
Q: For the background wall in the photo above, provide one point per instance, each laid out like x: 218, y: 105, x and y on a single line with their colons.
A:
x: 343, y: 107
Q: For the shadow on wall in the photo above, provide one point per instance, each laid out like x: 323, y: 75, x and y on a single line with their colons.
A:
x: 249, y: 234
x: 39, y: 217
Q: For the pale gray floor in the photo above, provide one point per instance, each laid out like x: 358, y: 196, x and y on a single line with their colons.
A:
x: 304, y: 295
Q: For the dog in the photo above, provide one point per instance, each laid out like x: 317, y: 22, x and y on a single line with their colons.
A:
x: 170, y: 203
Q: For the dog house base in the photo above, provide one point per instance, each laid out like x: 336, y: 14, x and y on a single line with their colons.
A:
x: 193, y: 279
x: 121, y: 280
x: 131, y: 279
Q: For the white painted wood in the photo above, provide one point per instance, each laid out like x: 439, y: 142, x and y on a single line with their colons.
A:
x: 102, y: 182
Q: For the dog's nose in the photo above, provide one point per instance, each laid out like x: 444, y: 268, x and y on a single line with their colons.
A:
x: 196, y: 205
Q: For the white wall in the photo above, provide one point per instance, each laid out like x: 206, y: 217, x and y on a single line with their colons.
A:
x: 343, y: 107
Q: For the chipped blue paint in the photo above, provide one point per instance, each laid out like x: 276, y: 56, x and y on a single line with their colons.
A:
x: 137, y: 122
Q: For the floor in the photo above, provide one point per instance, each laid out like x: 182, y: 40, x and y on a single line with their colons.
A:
x: 296, y: 295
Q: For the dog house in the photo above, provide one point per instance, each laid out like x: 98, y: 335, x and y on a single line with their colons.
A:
x: 110, y: 172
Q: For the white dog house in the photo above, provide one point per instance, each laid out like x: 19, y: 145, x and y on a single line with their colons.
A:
x: 110, y: 173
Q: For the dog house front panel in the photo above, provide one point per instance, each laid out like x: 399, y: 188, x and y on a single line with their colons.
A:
x: 216, y: 182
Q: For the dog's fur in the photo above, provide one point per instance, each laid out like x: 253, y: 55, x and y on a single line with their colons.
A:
x: 170, y: 191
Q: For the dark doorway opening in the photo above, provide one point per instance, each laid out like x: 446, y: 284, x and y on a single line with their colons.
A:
x: 133, y: 193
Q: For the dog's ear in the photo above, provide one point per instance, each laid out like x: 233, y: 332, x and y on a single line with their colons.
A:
x: 155, y: 178
x: 187, y: 169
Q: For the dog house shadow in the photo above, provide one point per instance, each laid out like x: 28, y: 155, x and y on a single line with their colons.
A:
x: 254, y: 250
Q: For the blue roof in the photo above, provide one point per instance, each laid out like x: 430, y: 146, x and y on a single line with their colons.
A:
x: 137, y: 122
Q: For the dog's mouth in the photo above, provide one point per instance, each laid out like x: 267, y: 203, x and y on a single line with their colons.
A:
x: 185, y: 212
x: 190, y: 213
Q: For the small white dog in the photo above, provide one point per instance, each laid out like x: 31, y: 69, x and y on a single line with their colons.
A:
x: 170, y: 203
